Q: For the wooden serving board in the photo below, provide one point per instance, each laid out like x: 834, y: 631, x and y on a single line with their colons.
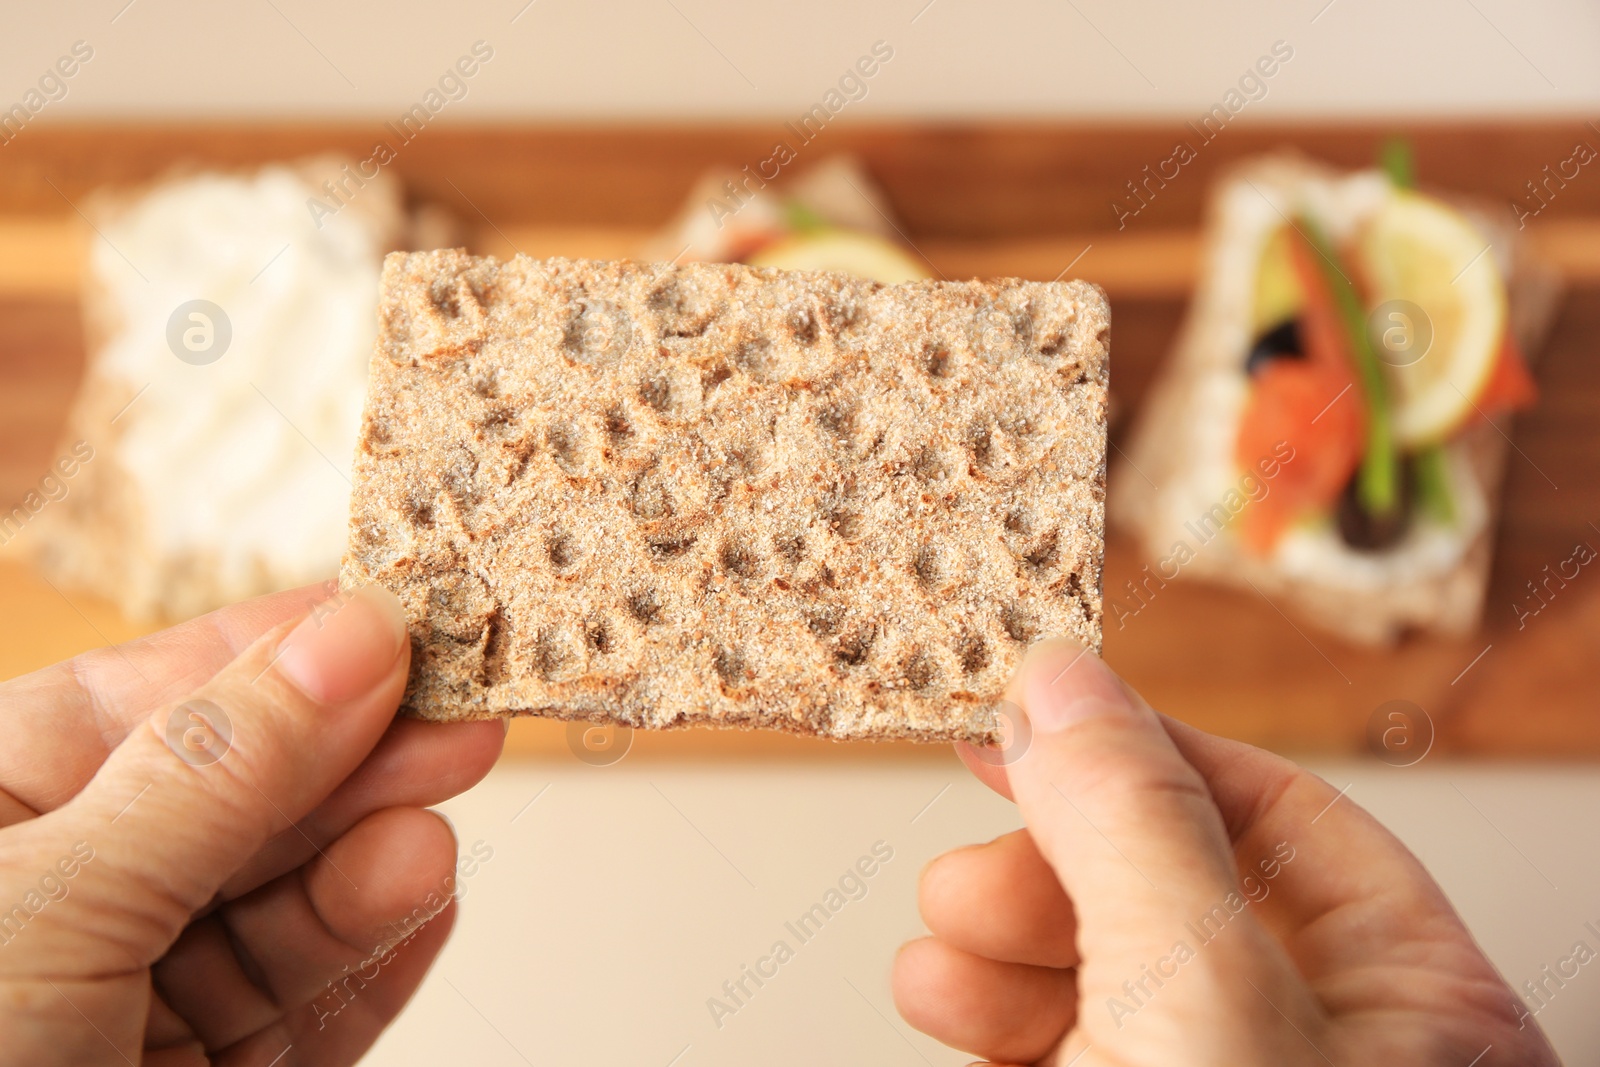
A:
x: 1017, y: 200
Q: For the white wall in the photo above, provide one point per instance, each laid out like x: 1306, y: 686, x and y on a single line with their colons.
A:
x: 605, y: 919
x: 568, y: 59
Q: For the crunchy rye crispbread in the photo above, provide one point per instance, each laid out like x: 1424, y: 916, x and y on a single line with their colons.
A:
x: 722, y: 495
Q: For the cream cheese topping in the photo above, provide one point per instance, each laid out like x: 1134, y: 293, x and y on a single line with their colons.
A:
x: 242, y: 464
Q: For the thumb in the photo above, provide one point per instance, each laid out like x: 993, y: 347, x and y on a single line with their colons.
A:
x: 199, y: 787
x: 1129, y: 827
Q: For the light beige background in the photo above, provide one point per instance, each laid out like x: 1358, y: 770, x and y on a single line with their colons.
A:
x: 686, y: 59
x: 617, y: 903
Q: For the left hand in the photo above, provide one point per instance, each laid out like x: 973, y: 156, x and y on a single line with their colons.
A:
x: 162, y: 903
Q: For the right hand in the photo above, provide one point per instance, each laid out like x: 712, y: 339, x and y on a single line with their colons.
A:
x: 1177, y: 898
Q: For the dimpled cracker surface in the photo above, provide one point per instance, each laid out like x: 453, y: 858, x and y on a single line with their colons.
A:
x: 713, y: 494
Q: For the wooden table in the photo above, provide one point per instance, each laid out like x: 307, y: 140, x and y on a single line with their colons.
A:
x: 1023, y: 200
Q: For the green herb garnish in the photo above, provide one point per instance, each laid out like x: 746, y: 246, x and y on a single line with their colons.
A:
x: 802, y: 219
x: 1433, y: 484
x: 1378, y: 484
x: 1397, y: 161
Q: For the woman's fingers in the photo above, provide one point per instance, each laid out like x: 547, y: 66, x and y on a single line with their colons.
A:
x: 1000, y: 900
x: 1275, y: 811
x: 307, y: 936
x: 1195, y: 867
x: 63, y: 721
x: 1008, y: 1012
x: 1131, y: 829
x: 1332, y: 913
x: 417, y: 764
x: 367, y: 1003
x: 987, y: 768
x: 220, y: 756
x: 66, y: 719
x: 200, y: 787
x: 1126, y: 822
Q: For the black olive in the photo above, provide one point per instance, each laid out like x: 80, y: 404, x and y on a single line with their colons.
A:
x: 1280, y: 342
x: 1361, y: 530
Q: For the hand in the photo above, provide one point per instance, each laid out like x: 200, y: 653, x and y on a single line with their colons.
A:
x: 1177, y: 898
x: 202, y: 830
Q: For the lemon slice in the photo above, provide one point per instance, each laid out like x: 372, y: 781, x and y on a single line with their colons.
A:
x: 1439, y: 312
x: 861, y: 254
x: 1278, y: 294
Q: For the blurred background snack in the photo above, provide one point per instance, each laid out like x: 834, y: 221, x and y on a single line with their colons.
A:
x: 832, y: 216
x: 1040, y: 141
x: 1331, y: 428
x: 228, y: 328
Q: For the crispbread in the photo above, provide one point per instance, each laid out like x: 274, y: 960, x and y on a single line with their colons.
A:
x: 1180, y: 452
x: 715, y: 494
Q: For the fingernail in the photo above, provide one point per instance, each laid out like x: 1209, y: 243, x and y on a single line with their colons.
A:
x: 341, y: 651
x: 449, y: 824
x: 1063, y: 684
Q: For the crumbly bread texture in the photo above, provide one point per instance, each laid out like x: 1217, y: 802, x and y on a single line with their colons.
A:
x: 714, y: 494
